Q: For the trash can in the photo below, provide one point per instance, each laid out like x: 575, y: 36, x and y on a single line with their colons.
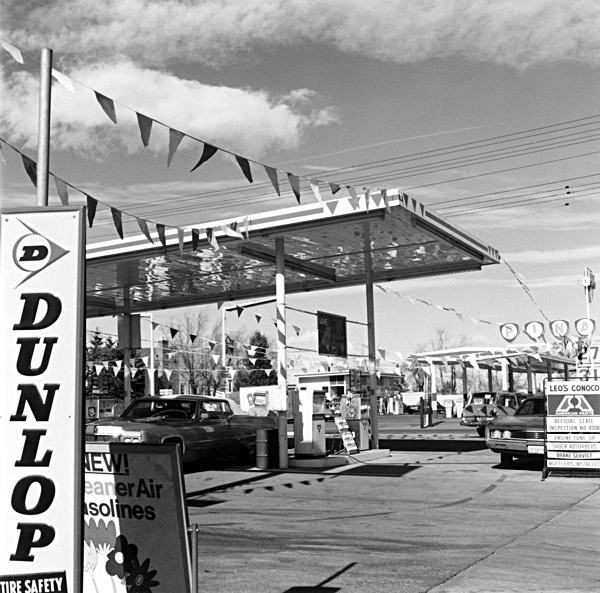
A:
x: 267, y: 448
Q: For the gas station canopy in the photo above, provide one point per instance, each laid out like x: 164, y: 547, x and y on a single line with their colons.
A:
x: 327, y: 245
x: 538, y: 358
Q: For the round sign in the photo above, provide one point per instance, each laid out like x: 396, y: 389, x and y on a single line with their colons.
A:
x: 534, y: 330
x: 509, y: 331
x: 585, y: 327
x: 559, y: 328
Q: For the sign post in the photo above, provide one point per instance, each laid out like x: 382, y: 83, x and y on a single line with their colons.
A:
x: 572, y: 432
x: 42, y: 268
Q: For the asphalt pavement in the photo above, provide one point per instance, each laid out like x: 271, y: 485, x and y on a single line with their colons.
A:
x: 437, y: 515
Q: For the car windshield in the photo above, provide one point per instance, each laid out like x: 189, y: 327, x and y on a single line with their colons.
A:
x: 183, y: 409
x: 531, y: 407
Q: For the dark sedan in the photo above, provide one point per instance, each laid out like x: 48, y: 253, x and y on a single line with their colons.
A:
x: 519, y: 435
x: 205, y: 427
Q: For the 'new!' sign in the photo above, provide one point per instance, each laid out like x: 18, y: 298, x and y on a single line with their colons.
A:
x: 41, y: 328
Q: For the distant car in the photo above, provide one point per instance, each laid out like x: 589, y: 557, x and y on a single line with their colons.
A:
x: 484, y: 406
x: 205, y: 427
x: 519, y: 435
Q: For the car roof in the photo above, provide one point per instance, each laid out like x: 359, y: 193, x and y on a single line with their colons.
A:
x: 180, y: 397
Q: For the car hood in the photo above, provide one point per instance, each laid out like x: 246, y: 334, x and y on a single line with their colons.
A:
x: 134, y: 423
x: 516, y: 422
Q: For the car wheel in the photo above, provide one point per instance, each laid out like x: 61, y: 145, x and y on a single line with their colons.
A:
x: 481, y: 431
x: 505, y: 459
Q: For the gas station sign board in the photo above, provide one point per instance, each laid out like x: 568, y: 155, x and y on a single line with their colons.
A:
x: 42, y: 268
x: 572, y: 425
x: 332, y: 334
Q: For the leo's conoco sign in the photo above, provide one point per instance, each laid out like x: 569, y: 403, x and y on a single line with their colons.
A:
x: 42, y: 264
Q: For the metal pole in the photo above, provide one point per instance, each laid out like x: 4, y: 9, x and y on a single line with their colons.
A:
x: 193, y: 530
x: 223, y: 345
x: 281, y: 346
x: 374, y: 409
x: 43, y: 162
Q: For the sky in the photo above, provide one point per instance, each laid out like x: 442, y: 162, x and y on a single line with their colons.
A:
x: 486, y: 111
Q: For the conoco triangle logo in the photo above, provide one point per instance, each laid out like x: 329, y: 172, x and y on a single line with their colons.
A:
x: 574, y: 404
x: 34, y: 252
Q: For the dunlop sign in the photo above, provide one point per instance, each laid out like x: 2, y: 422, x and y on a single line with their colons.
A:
x: 42, y: 263
x: 573, y: 425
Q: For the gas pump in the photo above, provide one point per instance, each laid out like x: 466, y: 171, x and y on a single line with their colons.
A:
x: 309, y: 423
x: 358, y: 418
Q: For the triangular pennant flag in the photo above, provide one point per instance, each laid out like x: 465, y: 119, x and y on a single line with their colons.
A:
x: 216, y: 358
x: 231, y: 230
x: 386, y: 200
x: 208, y: 152
x: 116, y: 216
x: 145, y: 124
x: 193, y: 338
x: 245, y: 167
x: 144, y: 228
x: 211, y: 344
x: 381, y: 353
x: 367, y: 196
x: 160, y: 229
x: 171, y: 355
x: 354, y: 199
x: 239, y: 310
x: 105, y: 364
x: 335, y: 188
x: 314, y: 184
x: 332, y: 205
x: 168, y: 373
x: 98, y: 368
x: 252, y: 361
x: 272, y: 174
x: 107, y: 105
x: 296, y: 329
x: 210, y: 235
x: 13, y: 51
x: 145, y: 360
x: 92, y: 204
x: 115, y: 370
x: 134, y: 371
x: 377, y: 199
x: 175, y: 138
x: 258, y: 317
x: 180, y: 239
x: 61, y: 188
x: 30, y: 168
x: 65, y: 81
x: 119, y: 363
x: 173, y: 332
x: 195, y: 239
x: 295, y: 184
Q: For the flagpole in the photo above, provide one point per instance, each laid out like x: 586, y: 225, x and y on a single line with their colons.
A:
x: 43, y: 162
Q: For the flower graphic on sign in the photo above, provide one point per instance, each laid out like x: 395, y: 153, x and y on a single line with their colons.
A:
x: 122, y: 559
x: 140, y: 579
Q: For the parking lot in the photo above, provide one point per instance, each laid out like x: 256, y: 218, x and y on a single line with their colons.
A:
x: 438, y: 514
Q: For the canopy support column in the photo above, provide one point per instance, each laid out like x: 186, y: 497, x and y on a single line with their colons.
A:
x: 373, y: 407
x: 281, y: 347
x: 490, y: 379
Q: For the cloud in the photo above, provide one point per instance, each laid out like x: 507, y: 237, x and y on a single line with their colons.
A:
x: 246, y: 121
x: 584, y: 253
x: 511, y: 32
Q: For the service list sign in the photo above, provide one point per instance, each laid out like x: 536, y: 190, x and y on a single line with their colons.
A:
x: 42, y: 264
x: 573, y: 425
